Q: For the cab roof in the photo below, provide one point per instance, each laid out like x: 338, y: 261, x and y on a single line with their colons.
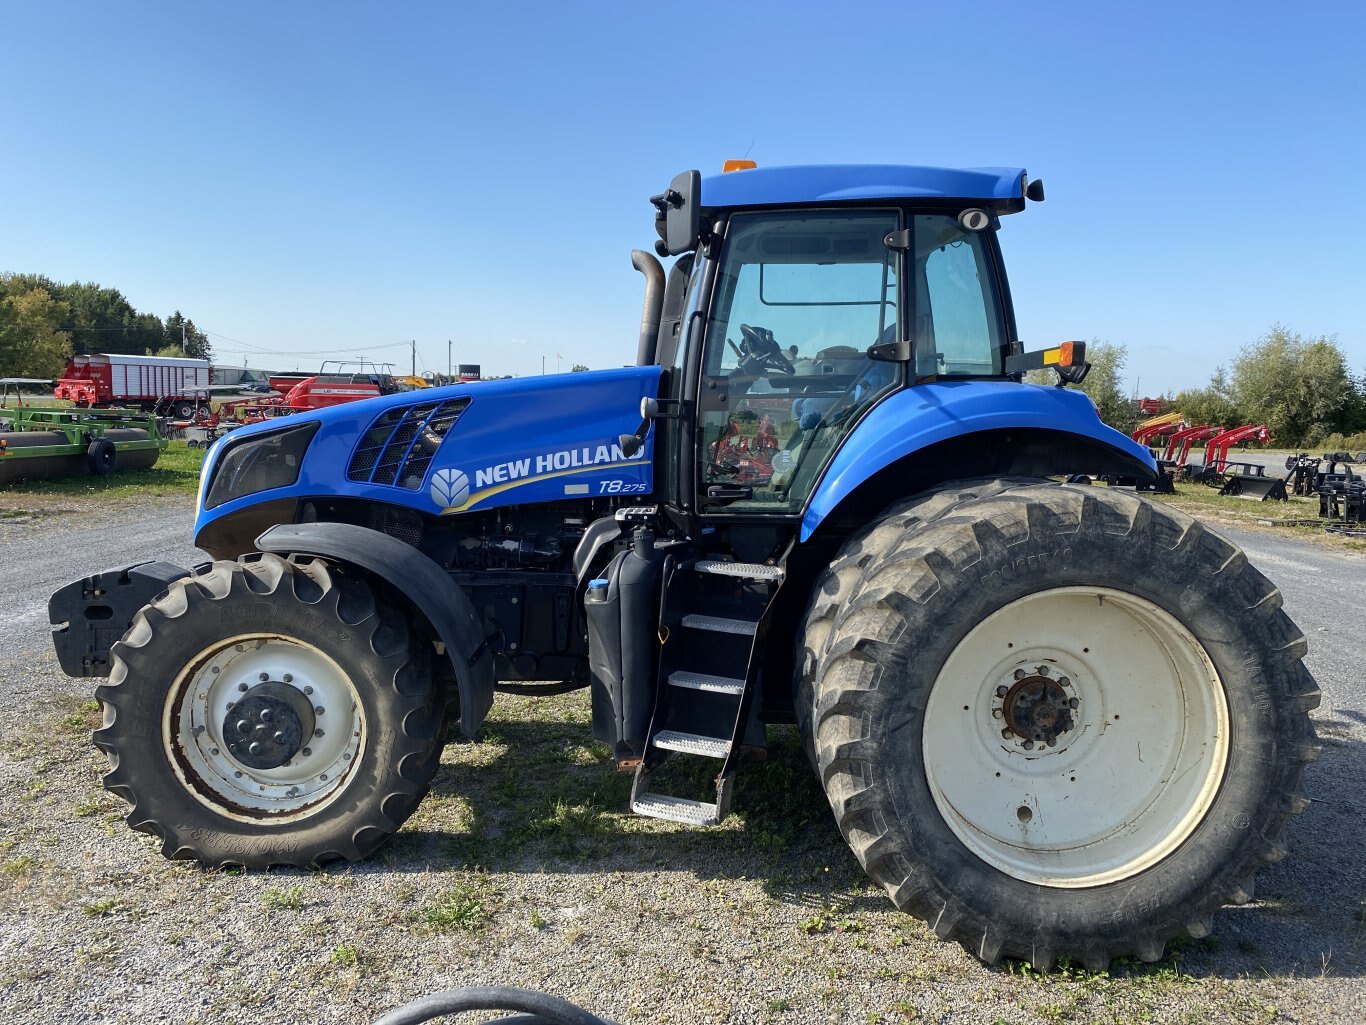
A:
x: 1001, y: 188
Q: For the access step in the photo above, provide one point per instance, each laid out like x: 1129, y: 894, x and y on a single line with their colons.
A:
x: 707, y: 682
x: 719, y: 624
x: 680, y: 809
x: 691, y: 743
x: 744, y: 570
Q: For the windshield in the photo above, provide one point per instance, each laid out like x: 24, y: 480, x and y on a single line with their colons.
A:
x: 798, y: 300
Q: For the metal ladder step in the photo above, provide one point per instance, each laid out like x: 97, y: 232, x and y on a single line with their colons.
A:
x: 680, y: 809
x: 706, y: 682
x: 747, y: 570
x: 691, y: 743
x: 719, y: 624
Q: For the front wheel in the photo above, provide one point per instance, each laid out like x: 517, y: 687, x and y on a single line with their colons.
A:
x: 1053, y: 720
x: 269, y: 712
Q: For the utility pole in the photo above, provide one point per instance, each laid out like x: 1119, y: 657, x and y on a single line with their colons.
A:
x: 448, y: 361
x: 413, y: 343
x: 183, y: 349
x: 542, y: 366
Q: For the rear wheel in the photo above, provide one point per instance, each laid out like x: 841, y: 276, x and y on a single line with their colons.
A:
x: 101, y: 457
x: 269, y: 712
x: 1055, y: 721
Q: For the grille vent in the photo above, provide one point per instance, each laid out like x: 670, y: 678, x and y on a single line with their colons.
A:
x: 397, y: 450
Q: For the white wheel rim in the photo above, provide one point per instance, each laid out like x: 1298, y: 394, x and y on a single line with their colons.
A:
x: 1120, y: 789
x: 197, y: 730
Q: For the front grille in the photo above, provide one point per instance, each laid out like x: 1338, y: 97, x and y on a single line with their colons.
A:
x: 397, y: 449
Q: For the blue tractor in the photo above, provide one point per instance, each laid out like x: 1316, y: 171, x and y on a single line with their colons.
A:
x: 1051, y: 719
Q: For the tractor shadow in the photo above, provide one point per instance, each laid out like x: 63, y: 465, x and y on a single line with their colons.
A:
x: 541, y: 796
x: 538, y: 796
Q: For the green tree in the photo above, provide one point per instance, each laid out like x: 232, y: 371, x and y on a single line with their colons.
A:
x: 32, y: 343
x: 103, y: 320
x: 1300, y: 388
x: 1211, y: 404
x: 577, y: 368
x: 196, y: 343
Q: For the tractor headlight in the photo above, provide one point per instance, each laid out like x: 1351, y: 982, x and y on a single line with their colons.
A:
x: 258, y: 463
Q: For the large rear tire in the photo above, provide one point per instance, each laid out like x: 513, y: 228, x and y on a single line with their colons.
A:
x: 1055, y: 721
x: 269, y: 712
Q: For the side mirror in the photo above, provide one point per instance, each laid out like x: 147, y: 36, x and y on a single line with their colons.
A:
x: 678, y: 217
x: 630, y: 444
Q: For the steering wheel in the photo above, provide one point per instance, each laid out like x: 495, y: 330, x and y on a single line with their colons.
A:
x: 759, y: 344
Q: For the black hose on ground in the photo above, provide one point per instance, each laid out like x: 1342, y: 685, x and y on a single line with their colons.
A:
x: 537, y: 1008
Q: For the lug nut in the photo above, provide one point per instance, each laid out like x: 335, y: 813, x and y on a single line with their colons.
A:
x: 238, y: 773
x: 254, y: 748
x: 308, y: 690
x: 1042, y: 670
x: 264, y: 677
x: 1002, y: 691
x: 279, y: 738
x: 1020, y: 674
x: 1064, y: 681
x: 319, y: 710
x: 1029, y: 745
x: 307, y: 751
x: 317, y: 733
x: 242, y: 687
x: 1072, y: 702
x: 289, y: 677
x: 266, y: 715
x: 243, y: 726
x: 1005, y: 733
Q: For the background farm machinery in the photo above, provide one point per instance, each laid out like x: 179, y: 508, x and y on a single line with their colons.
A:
x: 37, y: 444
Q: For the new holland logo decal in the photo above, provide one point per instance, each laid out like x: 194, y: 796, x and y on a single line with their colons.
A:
x: 453, y: 491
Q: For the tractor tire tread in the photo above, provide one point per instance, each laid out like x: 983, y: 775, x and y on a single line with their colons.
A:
x: 859, y: 603
x: 126, y: 735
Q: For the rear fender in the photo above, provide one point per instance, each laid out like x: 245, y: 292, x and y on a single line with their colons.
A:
x: 938, y: 431
x: 431, y: 593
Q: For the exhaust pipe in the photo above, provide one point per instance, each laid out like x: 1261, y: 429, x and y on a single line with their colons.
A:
x: 654, y: 305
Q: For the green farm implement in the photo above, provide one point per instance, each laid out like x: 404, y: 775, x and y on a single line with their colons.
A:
x: 39, y: 443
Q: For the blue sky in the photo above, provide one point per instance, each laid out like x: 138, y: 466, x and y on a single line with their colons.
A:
x: 316, y: 178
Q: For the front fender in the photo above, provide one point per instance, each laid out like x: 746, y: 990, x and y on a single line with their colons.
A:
x: 432, y: 593
x: 916, y: 418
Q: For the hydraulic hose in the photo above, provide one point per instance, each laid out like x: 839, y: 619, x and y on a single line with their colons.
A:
x: 537, y: 1008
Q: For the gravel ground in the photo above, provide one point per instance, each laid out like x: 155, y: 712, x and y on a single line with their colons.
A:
x: 523, y: 868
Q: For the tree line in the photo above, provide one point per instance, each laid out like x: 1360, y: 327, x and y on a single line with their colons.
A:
x: 43, y: 323
x: 1302, y: 389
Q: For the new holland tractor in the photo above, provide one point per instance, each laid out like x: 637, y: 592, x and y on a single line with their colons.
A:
x: 1051, y: 720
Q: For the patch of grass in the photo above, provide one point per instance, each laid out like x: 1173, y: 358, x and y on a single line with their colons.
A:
x: 99, y: 908
x: 344, y: 955
x: 20, y: 866
x: 537, y: 920
x: 82, y: 719
x: 290, y: 898
x: 463, y: 907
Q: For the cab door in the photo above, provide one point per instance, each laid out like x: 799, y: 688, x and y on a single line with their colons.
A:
x: 783, y: 371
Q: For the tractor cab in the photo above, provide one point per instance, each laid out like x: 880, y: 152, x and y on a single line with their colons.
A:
x: 803, y: 298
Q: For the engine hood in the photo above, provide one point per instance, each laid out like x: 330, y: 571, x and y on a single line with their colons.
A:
x: 445, y: 451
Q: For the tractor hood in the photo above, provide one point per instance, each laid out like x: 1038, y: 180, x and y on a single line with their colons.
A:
x: 439, y: 451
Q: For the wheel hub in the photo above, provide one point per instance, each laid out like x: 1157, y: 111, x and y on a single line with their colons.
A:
x: 269, y: 725
x: 1036, y: 708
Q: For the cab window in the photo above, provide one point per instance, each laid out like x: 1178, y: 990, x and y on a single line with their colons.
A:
x: 957, y: 306
x: 798, y: 300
